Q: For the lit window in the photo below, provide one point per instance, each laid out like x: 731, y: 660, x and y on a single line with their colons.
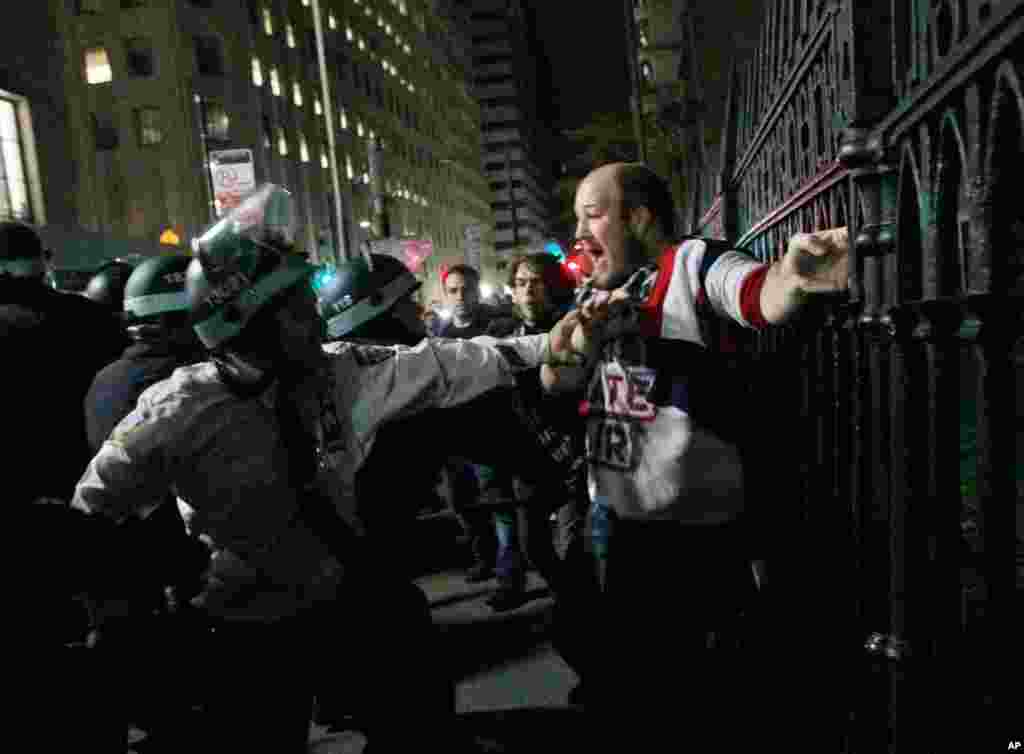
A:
x: 362, y: 44
x: 359, y: 128
x: 387, y: 29
x: 316, y: 106
x: 401, y: 7
x: 14, y: 190
x: 305, y: 3
x: 380, y: 21
x: 303, y: 149
x: 412, y: 87
x: 297, y: 94
x: 289, y: 33
x: 358, y: 2
x: 344, y: 120
x: 97, y: 66
x: 369, y: 12
x: 332, y: 22
x: 147, y: 120
x: 372, y: 135
x: 366, y: 177
x: 323, y: 161
x: 282, y: 144
x: 348, y: 33
x: 257, y: 72
x: 408, y: 50
x: 348, y: 168
x: 643, y: 39
x: 268, y: 22
x: 275, y: 83
x: 385, y: 65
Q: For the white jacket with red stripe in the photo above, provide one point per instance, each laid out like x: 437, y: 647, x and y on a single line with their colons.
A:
x: 648, y: 457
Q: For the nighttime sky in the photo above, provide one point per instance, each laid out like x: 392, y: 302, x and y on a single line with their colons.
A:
x: 585, y: 42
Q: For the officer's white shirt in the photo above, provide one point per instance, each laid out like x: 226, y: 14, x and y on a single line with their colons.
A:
x: 223, y: 455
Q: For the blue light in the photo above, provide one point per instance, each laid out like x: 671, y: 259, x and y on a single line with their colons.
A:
x: 555, y: 249
x: 322, y: 277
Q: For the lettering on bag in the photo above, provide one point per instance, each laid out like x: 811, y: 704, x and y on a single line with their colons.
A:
x: 626, y: 392
x: 610, y: 443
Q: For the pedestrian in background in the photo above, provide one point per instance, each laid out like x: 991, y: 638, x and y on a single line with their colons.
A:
x: 469, y: 483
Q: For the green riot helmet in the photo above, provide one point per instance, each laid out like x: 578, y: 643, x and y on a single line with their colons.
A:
x: 352, y: 294
x: 241, y: 263
x: 107, y: 285
x: 155, y: 293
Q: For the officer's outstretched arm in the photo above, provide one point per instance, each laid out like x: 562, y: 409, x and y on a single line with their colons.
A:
x: 382, y: 384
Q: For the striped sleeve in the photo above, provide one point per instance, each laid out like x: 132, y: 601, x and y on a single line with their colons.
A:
x: 731, y: 281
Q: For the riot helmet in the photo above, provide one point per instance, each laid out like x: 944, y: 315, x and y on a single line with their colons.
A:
x: 353, y: 299
x: 107, y: 284
x: 242, y: 263
x: 155, y: 303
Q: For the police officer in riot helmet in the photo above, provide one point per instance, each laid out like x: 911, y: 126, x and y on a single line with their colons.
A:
x: 155, y: 312
x: 164, y: 560
x: 54, y: 342
x: 372, y: 304
x: 262, y: 442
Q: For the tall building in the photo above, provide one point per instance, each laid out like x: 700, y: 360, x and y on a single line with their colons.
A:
x: 144, y: 90
x: 681, y: 55
x: 517, y: 143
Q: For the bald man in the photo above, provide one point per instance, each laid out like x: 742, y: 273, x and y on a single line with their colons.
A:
x: 663, y: 441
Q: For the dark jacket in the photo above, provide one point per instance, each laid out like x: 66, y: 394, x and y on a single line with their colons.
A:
x: 477, y: 327
x: 117, y: 387
x: 53, y: 345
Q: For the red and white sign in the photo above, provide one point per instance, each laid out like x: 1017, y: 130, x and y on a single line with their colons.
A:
x: 233, y: 176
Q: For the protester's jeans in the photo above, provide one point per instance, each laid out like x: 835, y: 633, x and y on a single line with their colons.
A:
x: 475, y: 521
x: 509, y: 566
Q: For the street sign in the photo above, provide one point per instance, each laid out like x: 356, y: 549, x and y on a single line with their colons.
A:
x: 233, y: 176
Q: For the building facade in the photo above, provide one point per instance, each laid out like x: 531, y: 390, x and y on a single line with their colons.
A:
x: 516, y: 141
x: 682, y: 52
x: 146, y: 89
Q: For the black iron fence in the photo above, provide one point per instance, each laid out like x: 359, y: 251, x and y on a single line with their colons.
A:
x: 905, y: 122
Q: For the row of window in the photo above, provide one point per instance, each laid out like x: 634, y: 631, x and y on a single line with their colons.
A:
x: 140, y: 59
x: 149, y: 129
x: 149, y: 126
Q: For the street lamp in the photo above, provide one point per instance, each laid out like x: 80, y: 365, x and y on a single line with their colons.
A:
x: 339, y: 214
